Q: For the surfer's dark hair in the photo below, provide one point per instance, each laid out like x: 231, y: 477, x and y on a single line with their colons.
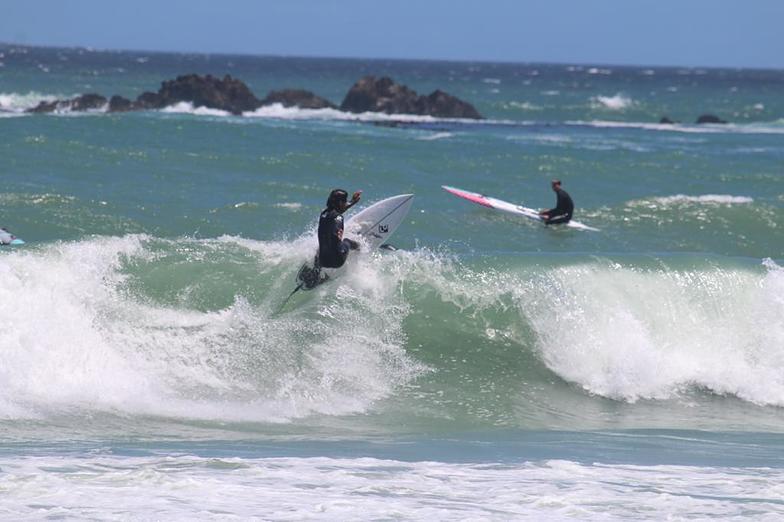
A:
x: 556, y: 182
x: 335, y: 197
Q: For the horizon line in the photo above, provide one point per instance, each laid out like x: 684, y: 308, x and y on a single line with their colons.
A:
x: 383, y: 58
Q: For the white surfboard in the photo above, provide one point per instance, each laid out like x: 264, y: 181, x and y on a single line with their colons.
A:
x: 7, y: 238
x: 371, y: 227
x: 505, y: 206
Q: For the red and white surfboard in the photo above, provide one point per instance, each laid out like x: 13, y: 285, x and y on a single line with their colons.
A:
x: 505, y: 206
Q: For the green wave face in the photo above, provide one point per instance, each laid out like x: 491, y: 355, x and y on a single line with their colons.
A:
x: 190, y: 329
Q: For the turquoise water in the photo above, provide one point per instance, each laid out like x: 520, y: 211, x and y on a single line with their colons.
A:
x: 490, y: 368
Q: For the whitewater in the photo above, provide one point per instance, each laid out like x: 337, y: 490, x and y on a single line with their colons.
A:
x: 487, y: 369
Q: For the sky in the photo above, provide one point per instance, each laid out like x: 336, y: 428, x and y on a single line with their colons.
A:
x: 711, y: 33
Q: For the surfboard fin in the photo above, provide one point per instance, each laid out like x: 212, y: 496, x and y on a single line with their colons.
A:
x: 285, y: 301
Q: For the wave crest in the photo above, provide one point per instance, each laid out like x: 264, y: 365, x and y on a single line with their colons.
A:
x: 616, y: 103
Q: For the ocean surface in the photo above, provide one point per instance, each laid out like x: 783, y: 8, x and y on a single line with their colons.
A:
x: 489, y: 369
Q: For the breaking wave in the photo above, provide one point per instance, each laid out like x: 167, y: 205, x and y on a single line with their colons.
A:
x: 190, y: 329
x: 615, y: 103
x: 706, y: 199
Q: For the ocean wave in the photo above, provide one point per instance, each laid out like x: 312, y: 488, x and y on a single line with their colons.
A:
x: 525, y: 106
x: 436, y: 136
x: 102, y: 485
x: 710, y: 199
x: 774, y: 127
x: 630, y: 332
x: 188, y: 108
x: 83, y: 339
x: 293, y: 206
x: 706, y: 328
x: 20, y: 102
x: 188, y: 328
x: 615, y: 103
x: 278, y: 111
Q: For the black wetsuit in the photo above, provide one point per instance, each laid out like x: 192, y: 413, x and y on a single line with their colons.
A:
x: 562, y: 213
x: 332, y: 251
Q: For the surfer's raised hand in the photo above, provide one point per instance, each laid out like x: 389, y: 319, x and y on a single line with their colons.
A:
x: 355, y: 196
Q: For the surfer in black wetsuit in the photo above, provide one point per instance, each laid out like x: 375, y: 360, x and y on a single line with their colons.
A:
x: 333, y: 248
x: 562, y: 213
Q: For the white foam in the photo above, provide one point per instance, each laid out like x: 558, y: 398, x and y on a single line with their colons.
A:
x: 188, y: 108
x: 774, y: 127
x: 289, y: 205
x: 631, y: 334
x: 493, y: 81
x: 278, y: 111
x: 188, y: 488
x: 81, y: 341
x: 526, y: 106
x: 615, y: 103
x: 721, y: 199
x: 436, y: 136
x: 19, y: 102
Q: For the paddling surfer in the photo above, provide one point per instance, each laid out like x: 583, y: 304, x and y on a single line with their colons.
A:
x: 564, y: 207
x: 333, y: 248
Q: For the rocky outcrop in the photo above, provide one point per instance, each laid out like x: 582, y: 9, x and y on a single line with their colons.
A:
x: 443, y: 105
x: 666, y: 121
x: 709, y: 118
x: 88, y: 102
x: 45, y: 106
x: 148, y: 101
x: 85, y: 102
x: 298, y: 98
x: 226, y: 94
x: 371, y: 94
x: 119, y: 104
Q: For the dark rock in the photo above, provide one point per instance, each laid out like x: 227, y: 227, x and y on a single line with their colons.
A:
x: 87, y: 102
x: 709, y: 118
x: 227, y: 94
x: 443, y: 105
x: 665, y: 120
x: 119, y: 104
x: 371, y: 94
x: 297, y: 98
x: 44, y: 107
x: 148, y: 100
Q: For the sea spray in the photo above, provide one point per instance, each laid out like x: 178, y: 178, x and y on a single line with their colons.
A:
x: 85, y: 338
